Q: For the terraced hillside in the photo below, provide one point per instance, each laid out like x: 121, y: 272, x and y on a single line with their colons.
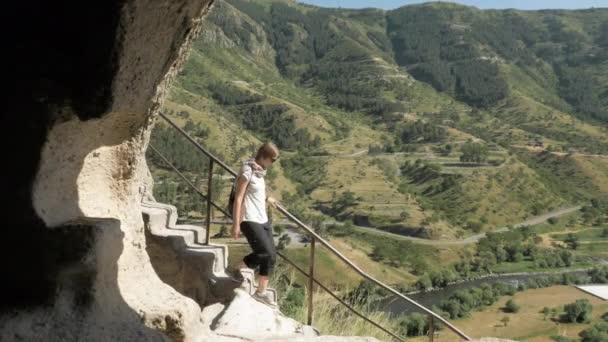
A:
x: 435, y: 120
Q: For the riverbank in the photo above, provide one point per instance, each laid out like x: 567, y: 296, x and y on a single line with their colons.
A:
x: 529, y: 323
x: 503, y: 275
x: 435, y: 297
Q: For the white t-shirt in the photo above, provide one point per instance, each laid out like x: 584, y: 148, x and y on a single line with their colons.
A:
x: 254, y: 201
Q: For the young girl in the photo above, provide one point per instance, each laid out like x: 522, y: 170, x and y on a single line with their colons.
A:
x: 250, y: 217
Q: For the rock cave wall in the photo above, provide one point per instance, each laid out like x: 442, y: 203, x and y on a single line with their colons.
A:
x: 85, y: 79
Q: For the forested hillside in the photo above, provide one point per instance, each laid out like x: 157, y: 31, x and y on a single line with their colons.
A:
x: 432, y: 123
x: 436, y: 120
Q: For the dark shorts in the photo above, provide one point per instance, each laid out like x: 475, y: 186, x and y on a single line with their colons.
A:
x: 259, y: 236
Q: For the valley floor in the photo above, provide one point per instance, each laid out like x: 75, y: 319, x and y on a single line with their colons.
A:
x: 529, y: 324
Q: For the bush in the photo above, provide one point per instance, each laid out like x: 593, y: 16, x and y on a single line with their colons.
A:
x: 562, y: 339
x: 599, y: 275
x: 597, y: 333
x: 414, y: 324
x: 475, y: 226
x: 511, y: 306
x: 229, y: 94
x: 420, y: 131
x: 424, y: 283
x: 474, y: 152
x: 572, y: 241
x: 579, y: 311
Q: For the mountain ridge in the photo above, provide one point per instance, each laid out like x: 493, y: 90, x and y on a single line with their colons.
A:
x: 332, y: 82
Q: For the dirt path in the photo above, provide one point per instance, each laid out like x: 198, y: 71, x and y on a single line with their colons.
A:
x: 356, y: 154
x: 548, y: 240
x: 561, y: 154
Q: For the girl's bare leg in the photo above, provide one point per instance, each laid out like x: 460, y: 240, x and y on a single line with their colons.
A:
x: 262, y: 283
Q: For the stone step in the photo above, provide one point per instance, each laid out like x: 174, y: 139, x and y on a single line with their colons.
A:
x: 172, y: 211
x: 252, y: 285
x: 245, y: 319
x: 189, y: 240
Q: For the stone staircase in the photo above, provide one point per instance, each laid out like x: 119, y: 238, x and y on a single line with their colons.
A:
x: 228, y: 311
x: 187, y: 241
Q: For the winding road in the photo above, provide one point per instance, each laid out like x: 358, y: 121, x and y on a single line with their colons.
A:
x: 471, y: 239
x: 299, y: 239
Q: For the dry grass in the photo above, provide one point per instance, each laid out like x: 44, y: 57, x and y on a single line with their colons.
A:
x: 329, y: 316
x: 358, y: 139
x: 458, y: 135
x: 359, y: 254
x: 528, y: 324
x: 332, y: 318
x: 505, y: 195
x: 379, y: 196
x: 330, y: 270
x: 596, y: 169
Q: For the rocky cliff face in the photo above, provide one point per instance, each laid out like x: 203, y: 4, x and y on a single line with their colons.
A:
x: 74, y: 249
x: 226, y: 27
x: 87, y: 79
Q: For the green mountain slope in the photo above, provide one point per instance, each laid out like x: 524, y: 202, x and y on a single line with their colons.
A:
x: 374, y: 108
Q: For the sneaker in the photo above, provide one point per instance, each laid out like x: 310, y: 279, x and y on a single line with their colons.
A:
x: 265, y: 297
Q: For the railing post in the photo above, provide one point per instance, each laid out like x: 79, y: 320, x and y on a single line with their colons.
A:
x: 431, y: 328
x: 209, y: 194
x: 311, y: 272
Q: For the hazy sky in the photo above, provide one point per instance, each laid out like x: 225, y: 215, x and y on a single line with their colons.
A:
x: 519, y: 4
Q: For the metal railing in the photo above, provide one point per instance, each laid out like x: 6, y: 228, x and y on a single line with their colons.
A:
x: 314, y: 237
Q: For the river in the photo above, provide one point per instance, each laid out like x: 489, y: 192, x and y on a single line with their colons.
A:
x: 430, y: 298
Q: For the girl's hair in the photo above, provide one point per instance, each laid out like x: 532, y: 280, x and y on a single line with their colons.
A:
x: 267, y: 151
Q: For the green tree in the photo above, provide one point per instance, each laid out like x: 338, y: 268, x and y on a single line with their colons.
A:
x: 474, y: 152
x: 599, y: 274
x: 344, y: 201
x: 511, y: 306
x: 579, y: 311
x: 421, y: 132
x: 597, y: 333
x: 424, y: 283
x: 414, y: 324
x: 572, y: 241
x: 505, y: 320
x: 562, y: 339
x: 475, y: 226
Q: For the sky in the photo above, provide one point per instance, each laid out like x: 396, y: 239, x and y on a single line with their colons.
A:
x: 518, y: 4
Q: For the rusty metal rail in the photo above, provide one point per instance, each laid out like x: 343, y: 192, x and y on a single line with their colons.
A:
x: 213, y: 160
